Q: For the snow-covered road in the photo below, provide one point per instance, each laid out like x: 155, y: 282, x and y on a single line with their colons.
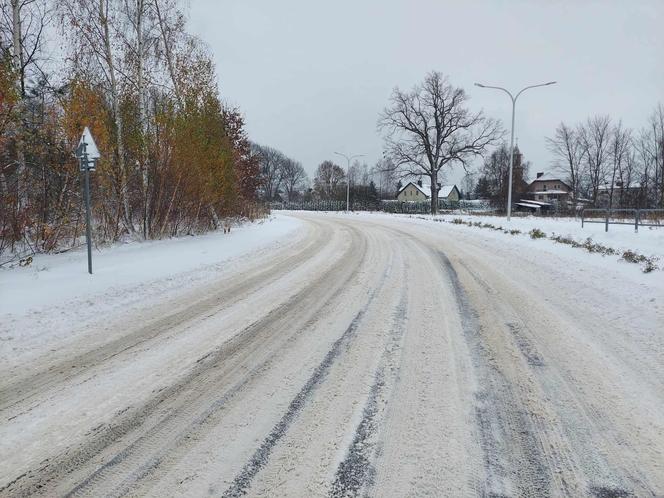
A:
x: 365, y: 355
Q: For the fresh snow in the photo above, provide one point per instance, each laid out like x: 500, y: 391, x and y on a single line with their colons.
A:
x: 342, y: 350
x: 648, y: 241
x: 45, y: 301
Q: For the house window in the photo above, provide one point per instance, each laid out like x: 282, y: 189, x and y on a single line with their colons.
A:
x: 544, y: 187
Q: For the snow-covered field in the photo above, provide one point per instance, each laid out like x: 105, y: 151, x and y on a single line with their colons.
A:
x: 325, y: 354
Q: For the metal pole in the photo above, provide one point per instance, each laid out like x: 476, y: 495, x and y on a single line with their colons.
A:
x: 347, y: 184
x: 88, y: 234
x: 348, y: 160
x: 509, y: 188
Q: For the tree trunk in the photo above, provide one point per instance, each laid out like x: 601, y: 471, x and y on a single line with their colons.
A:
x: 434, y: 192
x: 140, y: 6
x: 115, y: 97
x: 17, y: 62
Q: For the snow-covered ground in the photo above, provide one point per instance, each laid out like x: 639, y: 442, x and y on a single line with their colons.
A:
x: 648, y: 241
x: 54, y: 296
x: 325, y: 354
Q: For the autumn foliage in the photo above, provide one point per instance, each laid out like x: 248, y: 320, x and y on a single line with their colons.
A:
x: 174, y: 159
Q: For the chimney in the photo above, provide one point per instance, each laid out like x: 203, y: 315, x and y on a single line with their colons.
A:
x: 419, y: 182
x: 540, y: 174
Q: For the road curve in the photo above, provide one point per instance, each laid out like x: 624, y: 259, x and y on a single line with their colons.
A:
x: 375, y: 357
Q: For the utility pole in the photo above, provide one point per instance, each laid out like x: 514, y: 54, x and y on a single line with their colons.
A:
x: 348, y: 160
x: 509, y: 188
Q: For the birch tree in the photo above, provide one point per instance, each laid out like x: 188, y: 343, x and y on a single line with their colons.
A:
x: 95, y: 38
x: 22, y: 25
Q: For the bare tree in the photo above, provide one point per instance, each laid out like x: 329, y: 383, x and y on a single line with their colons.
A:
x: 271, y: 163
x: 568, y: 155
x: 430, y: 127
x: 494, y: 175
x: 293, y: 177
x: 174, y: 43
x: 595, y: 140
x: 329, y: 181
x: 621, y: 141
x: 387, y: 176
x: 655, y: 146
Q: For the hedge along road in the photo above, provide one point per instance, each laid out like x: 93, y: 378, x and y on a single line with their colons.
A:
x: 377, y: 357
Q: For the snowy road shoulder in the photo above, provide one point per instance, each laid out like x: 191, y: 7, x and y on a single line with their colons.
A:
x: 44, y: 301
x: 620, y: 238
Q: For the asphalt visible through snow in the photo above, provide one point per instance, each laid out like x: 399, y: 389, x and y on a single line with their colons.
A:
x: 374, y: 358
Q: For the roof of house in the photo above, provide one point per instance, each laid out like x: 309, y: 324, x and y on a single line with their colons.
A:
x: 444, y: 191
x: 635, y: 185
x: 548, y: 177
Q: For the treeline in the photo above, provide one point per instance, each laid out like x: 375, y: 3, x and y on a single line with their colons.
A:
x: 603, y: 162
x: 366, y: 186
x: 174, y: 158
x: 600, y: 154
x: 493, y: 176
x: 284, y: 179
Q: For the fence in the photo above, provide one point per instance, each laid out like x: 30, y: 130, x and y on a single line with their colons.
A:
x: 387, y: 206
x: 636, y: 217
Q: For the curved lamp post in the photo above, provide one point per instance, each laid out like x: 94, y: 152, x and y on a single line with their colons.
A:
x: 513, y: 97
x: 348, y: 160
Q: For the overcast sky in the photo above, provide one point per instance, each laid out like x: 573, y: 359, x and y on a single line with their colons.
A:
x: 311, y: 77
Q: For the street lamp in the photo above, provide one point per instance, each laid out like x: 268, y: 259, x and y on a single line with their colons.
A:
x: 509, y: 189
x: 348, y: 159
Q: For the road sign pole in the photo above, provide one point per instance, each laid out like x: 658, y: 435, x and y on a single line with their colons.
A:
x: 88, y: 154
x: 88, y: 231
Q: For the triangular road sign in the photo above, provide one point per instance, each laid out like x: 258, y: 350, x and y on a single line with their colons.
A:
x: 91, y: 146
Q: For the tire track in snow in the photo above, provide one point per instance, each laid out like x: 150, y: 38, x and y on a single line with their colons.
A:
x: 583, y: 456
x: 261, y: 456
x: 502, y: 422
x: 356, y: 471
x: 152, y: 440
x: 27, y: 388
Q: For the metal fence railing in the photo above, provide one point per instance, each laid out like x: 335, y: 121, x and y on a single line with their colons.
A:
x: 635, y: 217
x: 388, y: 206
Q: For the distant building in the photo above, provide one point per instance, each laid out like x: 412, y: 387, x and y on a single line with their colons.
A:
x: 550, y: 188
x: 619, y: 195
x: 417, y: 192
